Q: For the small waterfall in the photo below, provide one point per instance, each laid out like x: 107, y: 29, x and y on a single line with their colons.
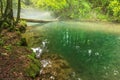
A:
x: 40, y: 50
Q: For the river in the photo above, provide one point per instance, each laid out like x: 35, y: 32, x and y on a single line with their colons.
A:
x: 91, y: 48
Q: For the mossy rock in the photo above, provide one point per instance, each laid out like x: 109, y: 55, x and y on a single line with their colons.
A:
x: 4, y: 25
x: 33, y: 68
x: 21, y: 26
x: 22, y: 29
x: 23, y: 42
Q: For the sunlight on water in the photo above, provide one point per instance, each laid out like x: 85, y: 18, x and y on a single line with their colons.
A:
x: 93, y: 51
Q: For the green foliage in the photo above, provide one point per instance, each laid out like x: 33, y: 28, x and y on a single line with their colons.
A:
x: 1, y: 42
x: 77, y: 9
x: 8, y: 47
x: 4, y: 25
x: 23, y: 42
x: 22, y: 29
x: 50, y: 4
x: 65, y: 8
x: 21, y: 26
x: 34, y: 60
x: 32, y: 70
x: 84, y: 9
x: 114, y: 9
x: 22, y: 22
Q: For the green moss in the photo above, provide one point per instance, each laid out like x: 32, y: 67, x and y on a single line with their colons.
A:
x: 22, y: 29
x: 23, y: 26
x: 34, y: 67
x: 5, y: 25
x: 32, y: 70
x: 23, y: 23
x: 23, y: 42
x: 1, y: 42
x: 8, y: 47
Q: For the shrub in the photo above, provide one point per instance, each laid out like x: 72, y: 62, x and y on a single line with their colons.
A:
x: 114, y: 10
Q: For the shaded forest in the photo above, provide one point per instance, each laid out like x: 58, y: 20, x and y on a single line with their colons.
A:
x: 105, y: 10
x: 81, y: 9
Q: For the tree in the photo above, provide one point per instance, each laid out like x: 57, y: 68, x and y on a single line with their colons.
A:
x: 8, y: 14
x: 27, y: 2
x: 18, y: 12
x: 114, y: 10
x: 1, y: 5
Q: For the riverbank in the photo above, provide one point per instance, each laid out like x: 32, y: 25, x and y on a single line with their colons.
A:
x: 17, y: 61
x: 13, y: 56
x: 53, y: 65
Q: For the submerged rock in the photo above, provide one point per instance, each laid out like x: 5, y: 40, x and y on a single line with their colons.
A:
x: 39, y: 50
x: 45, y: 63
x: 54, y: 67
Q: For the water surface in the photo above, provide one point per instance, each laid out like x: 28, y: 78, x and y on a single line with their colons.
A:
x: 92, y: 49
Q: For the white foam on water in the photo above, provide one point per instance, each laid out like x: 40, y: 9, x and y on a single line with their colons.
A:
x: 38, y: 51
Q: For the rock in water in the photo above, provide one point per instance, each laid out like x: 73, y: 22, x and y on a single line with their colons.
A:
x: 38, y: 51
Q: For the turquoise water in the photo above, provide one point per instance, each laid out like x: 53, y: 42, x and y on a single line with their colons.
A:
x: 93, y: 53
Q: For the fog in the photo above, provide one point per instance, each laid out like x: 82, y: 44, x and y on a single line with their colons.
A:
x: 32, y: 13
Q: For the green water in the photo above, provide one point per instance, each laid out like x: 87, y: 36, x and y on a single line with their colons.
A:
x: 93, y: 54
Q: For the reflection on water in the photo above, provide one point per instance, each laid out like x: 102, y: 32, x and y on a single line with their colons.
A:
x: 94, y: 54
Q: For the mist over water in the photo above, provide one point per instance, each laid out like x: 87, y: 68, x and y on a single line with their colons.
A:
x: 33, y: 13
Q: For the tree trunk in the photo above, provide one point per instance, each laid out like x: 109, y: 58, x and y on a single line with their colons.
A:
x: 27, y: 2
x: 39, y: 21
x: 8, y: 14
x: 18, y: 12
x: 1, y: 5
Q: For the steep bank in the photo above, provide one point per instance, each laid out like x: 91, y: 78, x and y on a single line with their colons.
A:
x: 14, y: 60
x: 17, y: 61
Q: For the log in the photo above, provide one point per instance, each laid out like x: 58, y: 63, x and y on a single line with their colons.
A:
x: 39, y: 21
